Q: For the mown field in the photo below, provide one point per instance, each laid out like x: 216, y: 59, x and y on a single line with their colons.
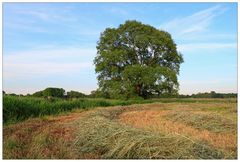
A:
x: 154, y: 129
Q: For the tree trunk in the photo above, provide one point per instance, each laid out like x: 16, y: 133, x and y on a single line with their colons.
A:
x: 138, y: 89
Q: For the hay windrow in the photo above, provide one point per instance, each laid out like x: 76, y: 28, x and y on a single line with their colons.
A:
x: 112, y: 140
x: 200, y: 120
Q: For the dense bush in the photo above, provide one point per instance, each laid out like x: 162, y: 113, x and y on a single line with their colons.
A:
x: 75, y: 94
x: 38, y: 94
x: 53, y: 92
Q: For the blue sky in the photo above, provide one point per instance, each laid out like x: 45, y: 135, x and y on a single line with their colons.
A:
x: 54, y: 44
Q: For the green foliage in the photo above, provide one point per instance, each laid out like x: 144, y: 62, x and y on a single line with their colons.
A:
x: 136, y: 60
x: 50, y: 92
x: 212, y: 94
x: 75, y: 94
x: 96, y: 94
x: 12, y: 94
x: 38, y: 94
x: 53, y: 92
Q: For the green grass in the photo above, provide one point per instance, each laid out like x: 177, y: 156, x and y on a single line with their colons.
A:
x: 17, y: 109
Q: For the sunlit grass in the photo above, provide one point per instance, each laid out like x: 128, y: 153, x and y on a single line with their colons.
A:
x: 21, y: 108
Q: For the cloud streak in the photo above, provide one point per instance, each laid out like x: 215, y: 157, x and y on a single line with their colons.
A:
x: 190, y: 47
x: 47, y: 62
x: 48, y: 19
x: 192, y: 24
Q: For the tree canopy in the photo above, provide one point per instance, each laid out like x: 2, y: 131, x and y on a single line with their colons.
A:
x: 136, y: 60
x: 50, y: 92
x: 75, y: 94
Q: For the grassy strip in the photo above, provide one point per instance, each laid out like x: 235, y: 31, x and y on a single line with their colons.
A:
x: 99, y: 134
x: 20, y: 108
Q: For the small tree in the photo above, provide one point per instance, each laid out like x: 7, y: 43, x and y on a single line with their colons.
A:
x: 136, y: 60
x: 53, y: 92
x: 75, y: 94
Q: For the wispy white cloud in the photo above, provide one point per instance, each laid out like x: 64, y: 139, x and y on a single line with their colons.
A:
x: 47, y: 19
x: 48, y: 68
x: 44, y: 13
x: 190, y: 47
x: 45, y: 53
x: 199, y: 37
x: 61, y: 61
x: 25, y: 27
x: 195, y: 23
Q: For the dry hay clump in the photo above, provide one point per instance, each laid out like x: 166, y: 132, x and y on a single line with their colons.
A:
x: 204, y: 121
x: 102, y: 135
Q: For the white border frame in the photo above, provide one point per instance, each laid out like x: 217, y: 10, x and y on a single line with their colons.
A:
x: 112, y: 1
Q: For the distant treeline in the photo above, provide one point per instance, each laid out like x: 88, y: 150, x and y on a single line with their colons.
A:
x: 54, y: 92
x: 212, y: 94
x: 61, y: 93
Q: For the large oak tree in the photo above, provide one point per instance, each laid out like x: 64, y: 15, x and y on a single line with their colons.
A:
x: 137, y: 60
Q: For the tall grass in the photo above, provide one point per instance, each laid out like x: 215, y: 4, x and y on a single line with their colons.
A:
x: 20, y: 108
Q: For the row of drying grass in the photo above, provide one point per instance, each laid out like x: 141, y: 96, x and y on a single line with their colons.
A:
x: 101, y: 135
x: 154, y: 120
x: 20, y: 108
x: 204, y: 121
